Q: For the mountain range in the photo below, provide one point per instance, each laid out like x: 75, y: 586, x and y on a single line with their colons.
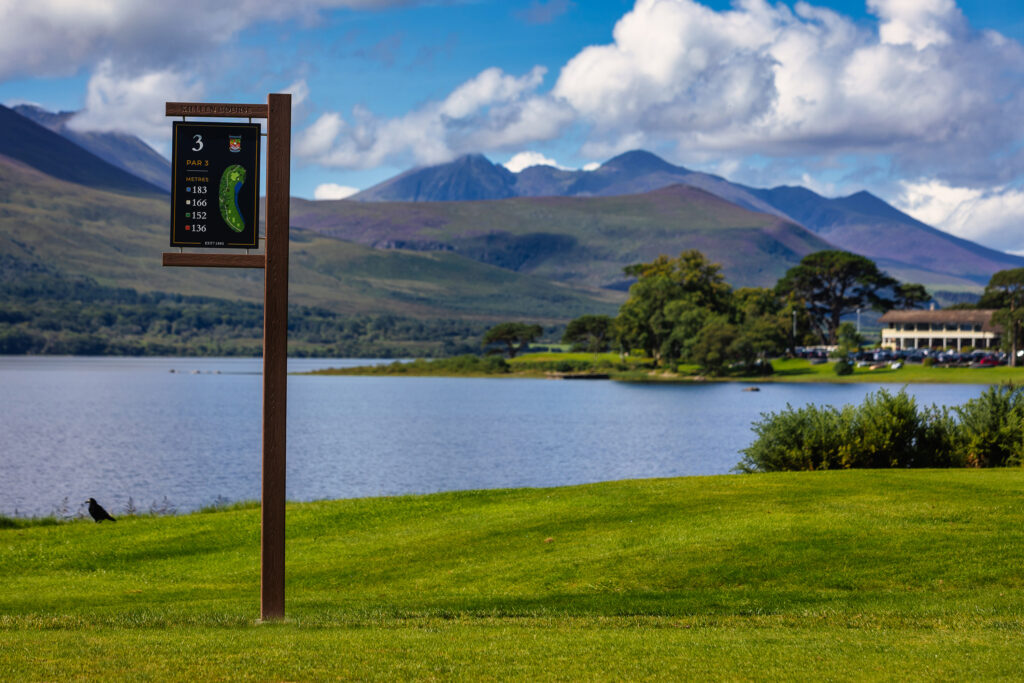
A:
x: 127, y: 152
x: 468, y: 238
x: 580, y: 241
x: 64, y: 210
x: 862, y: 223
x: 24, y: 140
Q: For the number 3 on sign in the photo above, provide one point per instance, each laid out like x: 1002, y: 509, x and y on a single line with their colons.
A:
x: 198, y: 139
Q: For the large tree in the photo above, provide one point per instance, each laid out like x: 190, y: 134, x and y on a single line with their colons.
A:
x: 833, y: 284
x: 589, y: 333
x: 669, y: 292
x: 910, y: 295
x: 1007, y: 288
x: 515, y: 337
x: 765, y: 320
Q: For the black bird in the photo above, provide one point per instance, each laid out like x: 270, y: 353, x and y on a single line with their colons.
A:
x: 97, y: 511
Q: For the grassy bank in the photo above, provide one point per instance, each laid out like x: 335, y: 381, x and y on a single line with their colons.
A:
x: 848, y: 575
x: 799, y: 370
x: 640, y: 370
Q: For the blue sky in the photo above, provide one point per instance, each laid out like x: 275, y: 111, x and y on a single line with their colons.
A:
x: 918, y: 101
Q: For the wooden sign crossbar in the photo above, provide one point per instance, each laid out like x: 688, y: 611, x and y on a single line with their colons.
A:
x: 274, y: 261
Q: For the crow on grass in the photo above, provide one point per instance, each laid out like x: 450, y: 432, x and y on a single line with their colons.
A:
x: 97, y: 511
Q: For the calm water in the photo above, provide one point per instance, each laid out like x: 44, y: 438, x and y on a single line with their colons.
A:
x: 118, y: 427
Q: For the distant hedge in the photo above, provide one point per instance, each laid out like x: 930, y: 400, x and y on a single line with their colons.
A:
x: 889, y: 430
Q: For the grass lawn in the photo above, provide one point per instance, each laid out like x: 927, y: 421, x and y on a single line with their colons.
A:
x: 801, y: 370
x: 864, y: 575
x: 786, y: 370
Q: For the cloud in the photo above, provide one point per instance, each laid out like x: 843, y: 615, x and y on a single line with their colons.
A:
x: 920, y: 23
x: 993, y: 217
x: 333, y: 191
x: 544, y: 12
x: 526, y: 159
x: 299, y: 91
x: 489, y: 86
x: 920, y: 86
x: 917, y: 85
x: 58, y: 37
x: 134, y: 104
x: 141, y: 54
x: 492, y: 110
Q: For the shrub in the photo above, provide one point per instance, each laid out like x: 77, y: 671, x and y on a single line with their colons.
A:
x: 808, y: 438
x: 495, y: 364
x: 843, y: 367
x: 885, y: 431
x: 928, y: 362
x: 991, y: 429
x: 563, y: 365
x: 889, y: 431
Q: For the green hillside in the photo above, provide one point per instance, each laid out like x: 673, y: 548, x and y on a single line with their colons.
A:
x: 583, y: 241
x: 117, y: 240
x: 840, y: 575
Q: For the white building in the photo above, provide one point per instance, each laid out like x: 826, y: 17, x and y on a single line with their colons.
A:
x: 956, y: 329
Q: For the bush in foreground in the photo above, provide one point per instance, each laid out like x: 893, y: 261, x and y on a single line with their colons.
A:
x: 991, y: 428
x: 889, y: 430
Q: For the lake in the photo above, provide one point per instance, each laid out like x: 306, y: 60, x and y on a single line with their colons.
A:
x: 114, y: 428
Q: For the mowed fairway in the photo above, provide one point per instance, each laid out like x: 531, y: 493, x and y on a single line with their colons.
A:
x: 844, y: 575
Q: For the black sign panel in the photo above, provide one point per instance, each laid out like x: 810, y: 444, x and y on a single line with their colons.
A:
x: 215, y: 185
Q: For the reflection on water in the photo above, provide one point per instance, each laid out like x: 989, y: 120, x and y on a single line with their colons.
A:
x: 111, y: 428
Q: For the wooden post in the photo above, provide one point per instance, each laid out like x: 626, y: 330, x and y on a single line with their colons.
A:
x: 275, y: 356
x: 274, y: 261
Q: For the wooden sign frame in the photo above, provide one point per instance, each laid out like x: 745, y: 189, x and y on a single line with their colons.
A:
x: 274, y: 261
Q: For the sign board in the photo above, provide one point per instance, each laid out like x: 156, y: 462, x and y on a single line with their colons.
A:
x: 215, y: 185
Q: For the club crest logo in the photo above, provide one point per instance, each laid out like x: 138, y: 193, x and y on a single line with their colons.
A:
x: 234, y: 143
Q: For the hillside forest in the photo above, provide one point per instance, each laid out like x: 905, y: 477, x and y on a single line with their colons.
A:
x: 45, y: 312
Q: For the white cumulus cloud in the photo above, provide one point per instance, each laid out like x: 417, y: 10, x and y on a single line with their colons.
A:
x: 919, y: 86
x: 333, y: 191
x: 134, y: 104
x: 492, y: 110
x: 920, y: 23
x: 527, y: 159
x: 57, y: 37
x: 993, y: 217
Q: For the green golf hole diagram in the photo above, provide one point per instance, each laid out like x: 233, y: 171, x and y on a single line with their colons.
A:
x: 230, y: 183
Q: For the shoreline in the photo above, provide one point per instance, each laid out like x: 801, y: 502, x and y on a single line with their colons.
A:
x: 788, y: 371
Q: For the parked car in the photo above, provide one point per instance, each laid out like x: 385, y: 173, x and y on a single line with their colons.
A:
x: 915, y: 355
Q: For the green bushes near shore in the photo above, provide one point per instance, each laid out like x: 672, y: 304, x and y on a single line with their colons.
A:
x: 459, y: 366
x: 891, y: 430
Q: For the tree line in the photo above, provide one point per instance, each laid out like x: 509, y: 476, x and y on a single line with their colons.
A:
x: 682, y: 310
x: 43, y: 312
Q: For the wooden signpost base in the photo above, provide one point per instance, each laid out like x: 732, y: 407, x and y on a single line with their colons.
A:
x: 274, y: 261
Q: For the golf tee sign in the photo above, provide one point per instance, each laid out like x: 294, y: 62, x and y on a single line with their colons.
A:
x: 219, y: 166
x: 215, y: 185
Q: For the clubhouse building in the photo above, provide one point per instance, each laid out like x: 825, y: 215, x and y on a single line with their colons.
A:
x: 956, y: 329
